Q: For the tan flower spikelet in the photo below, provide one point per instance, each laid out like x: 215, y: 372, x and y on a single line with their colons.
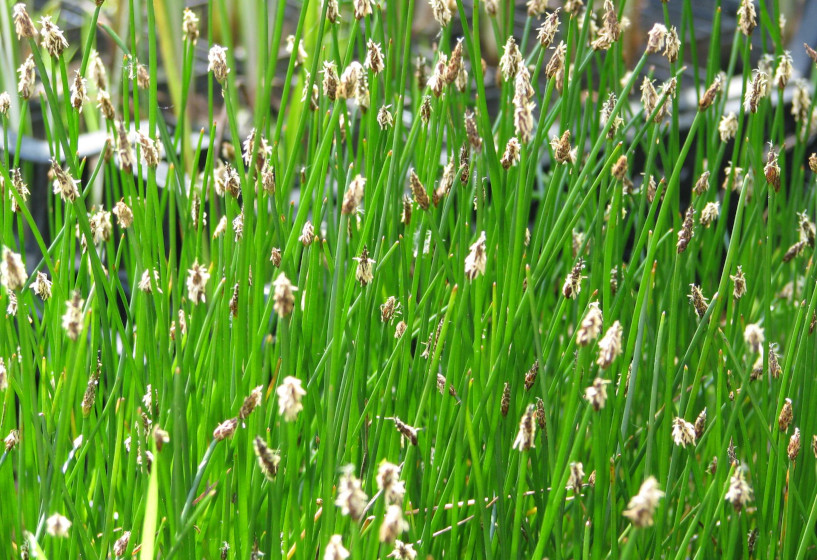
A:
x: 683, y: 432
x: 23, y: 25
x: 527, y: 430
x: 590, y: 327
x: 610, y: 345
x: 268, y: 459
x: 283, y: 297
x: 12, y: 271
x: 418, y: 191
x: 641, y: 508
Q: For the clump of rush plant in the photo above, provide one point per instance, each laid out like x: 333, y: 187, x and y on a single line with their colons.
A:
x: 422, y: 279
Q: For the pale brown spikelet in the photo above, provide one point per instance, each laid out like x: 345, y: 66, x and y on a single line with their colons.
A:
x: 728, y: 127
x: 283, y: 297
x: 711, y: 93
x: 641, y: 508
x: 476, y: 259
x: 774, y: 362
x: 793, y: 448
x: 89, y: 397
x: 226, y: 429
x: 13, y: 439
x: 12, y: 271
x: 590, y: 327
x: 365, y: 268
x: 64, y: 184
x: 710, y: 213
x: 505, y: 402
x: 331, y: 81
x: 754, y: 337
x: 251, y: 402
x: 575, y: 479
x: 699, y: 303
x: 527, y: 430
x: 656, y: 37
x: 400, y: 329
x: 619, y: 169
x: 190, y: 25
x: 353, y: 195
x: 351, y: 499
x: 51, y: 37
x: 511, y: 59
x: 418, y: 191
x: 700, y: 424
x: 747, y: 17
x: 556, y: 65
x: 786, y: 416
x: 79, y: 94
x: 794, y: 251
x: 334, y: 548
x: 393, y: 524
x: 596, y: 394
x: 217, y: 63
x: 672, y: 45
x: 541, y: 420
x: 120, y: 546
x: 197, y: 277
x: 686, y: 233
x: 23, y: 25
x: 562, y: 152
x: 408, y: 432
x: 72, y: 319
x: 610, y: 346
x: 738, y: 283
x: 530, y: 376
x: 572, y: 286
x: 739, y: 493
x: 512, y: 153
x: 25, y: 85
x: 702, y: 184
x: 268, y: 459
x: 772, y: 169
x: 405, y: 211
x: 548, y: 30
x: 474, y: 139
x: 683, y: 432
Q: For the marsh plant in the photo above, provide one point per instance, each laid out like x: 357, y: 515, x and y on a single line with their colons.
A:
x: 433, y: 286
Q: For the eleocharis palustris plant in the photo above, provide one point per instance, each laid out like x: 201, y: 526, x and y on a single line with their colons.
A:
x: 406, y: 279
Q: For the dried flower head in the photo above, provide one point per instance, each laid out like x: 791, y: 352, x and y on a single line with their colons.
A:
x: 268, y: 459
x: 711, y: 92
x: 786, y: 416
x: 772, y: 169
x: 782, y: 74
x: 793, y: 449
x: 12, y: 271
x: 418, y: 191
x: 197, y: 277
x: 511, y: 59
x: 226, y: 429
x: 25, y: 85
x: 575, y: 479
x: 548, y: 30
x: 217, y: 63
x: 331, y: 81
x: 79, y: 94
x: 527, y: 430
x: 353, y: 195
x: 656, y: 37
x: 610, y: 345
x: 739, y: 493
x: 23, y: 25
x: 393, y: 524
x: 747, y: 17
x: 590, y: 327
x: 12, y: 440
x: 365, y: 267
x: 710, y: 213
x: 64, y: 184
x: 57, y: 525
x: 728, y: 127
x: 351, y: 499
x: 698, y: 301
x: 596, y: 393
x: 756, y: 89
x: 573, y: 283
x: 51, y: 37
x: 190, y: 25
x: 641, y: 508
x: 476, y: 259
x: 120, y: 546
x: 42, y: 286
x: 307, y: 234
x: 562, y: 152
x: 683, y: 432
x: 512, y: 154
x: 753, y: 335
x: 72, y: 318
x: 686, y: 233
x: 283, y: 297
x: 362, y: 8
x: 403, y: 551
x: 374, y: 58
x: 739, y: 283
x: 700, y: 425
